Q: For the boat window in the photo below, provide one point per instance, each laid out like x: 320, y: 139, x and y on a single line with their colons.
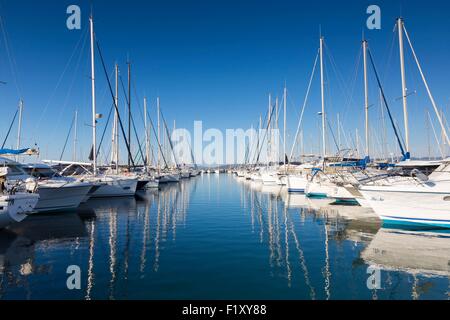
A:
x: 15, y: 170
x: 41, y: 173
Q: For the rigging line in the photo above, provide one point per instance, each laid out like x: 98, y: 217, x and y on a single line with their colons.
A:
x: 104, y: 130
x: 332, y: 134
x: 248, y: 153
x: 353, y: 85
x: 61, y: 78
x: 443, y: 127
x: 115, y: 105
x: 390, y: 54
x: 168, y: 136
x: 339, y: 75
x: 386, y: 104
x: 67, y: 139
x: 9, y: 53
x: 264, y: 138
x: 69, y: 92
x: 304, y: 106
x: 138, y: 99
x: 260, y: 142
x: 435, y: 136
x: 132, y: 121
x: 157, y: 140
x: 10, y: 127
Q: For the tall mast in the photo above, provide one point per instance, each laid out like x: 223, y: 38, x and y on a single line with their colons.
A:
x: 269, y: 120
x: 147, y: 138
x: 129, y: 111
x: 404, y: 92
x: 284, y: 126
x: 339, y: 131
x: 322, y: 89
x: 115, y: 146
x: 19, y: 130
x: 159, y: 133
x: 170, y: 144
x: 75, y: 137
x: 94, y: 112
x: 366, y: 98
x: 276, y: 126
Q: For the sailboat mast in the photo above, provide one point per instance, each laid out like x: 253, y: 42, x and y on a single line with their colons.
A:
x: 284, y: 126
x: 276, y: 127
x: 75, y: 137
x: 116, y: 122
x: 404, y: 90
x: 94, y: 112
x: 147, y: 138
x: 269, y: 120
x: 159, y: 133
x: 366, y: 98
x: 322, y: 89
x: 339, y: 131
x: 19, y: 130
x: 129, y: 112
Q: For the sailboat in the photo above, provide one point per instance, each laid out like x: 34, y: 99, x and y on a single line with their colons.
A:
x: 319, y: 185
x: 110, y: 185
x: 14, y: 206
x: 417, y: 199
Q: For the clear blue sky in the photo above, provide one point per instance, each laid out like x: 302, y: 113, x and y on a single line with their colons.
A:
x: 216, y: 61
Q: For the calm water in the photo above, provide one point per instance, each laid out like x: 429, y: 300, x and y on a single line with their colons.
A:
x: 215, y: 237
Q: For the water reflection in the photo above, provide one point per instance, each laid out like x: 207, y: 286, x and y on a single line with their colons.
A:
x: 345, y: 230
x: 148, y: 247
x: 103, y: 232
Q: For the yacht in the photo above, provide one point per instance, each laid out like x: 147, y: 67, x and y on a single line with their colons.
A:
x: 417, y: 199
x: 56, y: 193
x: 14, y: 206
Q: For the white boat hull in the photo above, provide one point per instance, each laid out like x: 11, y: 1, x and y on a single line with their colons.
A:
x: 270, y: 179
x: 296, y: 184
x: 152, y: 184
x: 169, y: 178
x: 409, y: 207
x: 61, y: 198
x: 15, y: 208
x: 116, y: 188
x: 318, y: 189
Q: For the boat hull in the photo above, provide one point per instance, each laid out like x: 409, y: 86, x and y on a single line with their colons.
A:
x: 62, y: 198
x: 296, y: 184
x: 318, y: 190
x: 15, y: 208
x: 117, y: 188
x: 426, y: 209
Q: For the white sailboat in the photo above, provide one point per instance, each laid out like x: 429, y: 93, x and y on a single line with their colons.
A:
x: 111, y: 185
x: 319, y: 186
x: 416, y: 200
x: 56, y: 193
x: 14, y: 206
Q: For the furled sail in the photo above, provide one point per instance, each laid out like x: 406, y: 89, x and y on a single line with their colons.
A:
x: 10, y: 152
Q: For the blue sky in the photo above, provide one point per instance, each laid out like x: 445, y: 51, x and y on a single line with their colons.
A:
x: 217, y: 61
